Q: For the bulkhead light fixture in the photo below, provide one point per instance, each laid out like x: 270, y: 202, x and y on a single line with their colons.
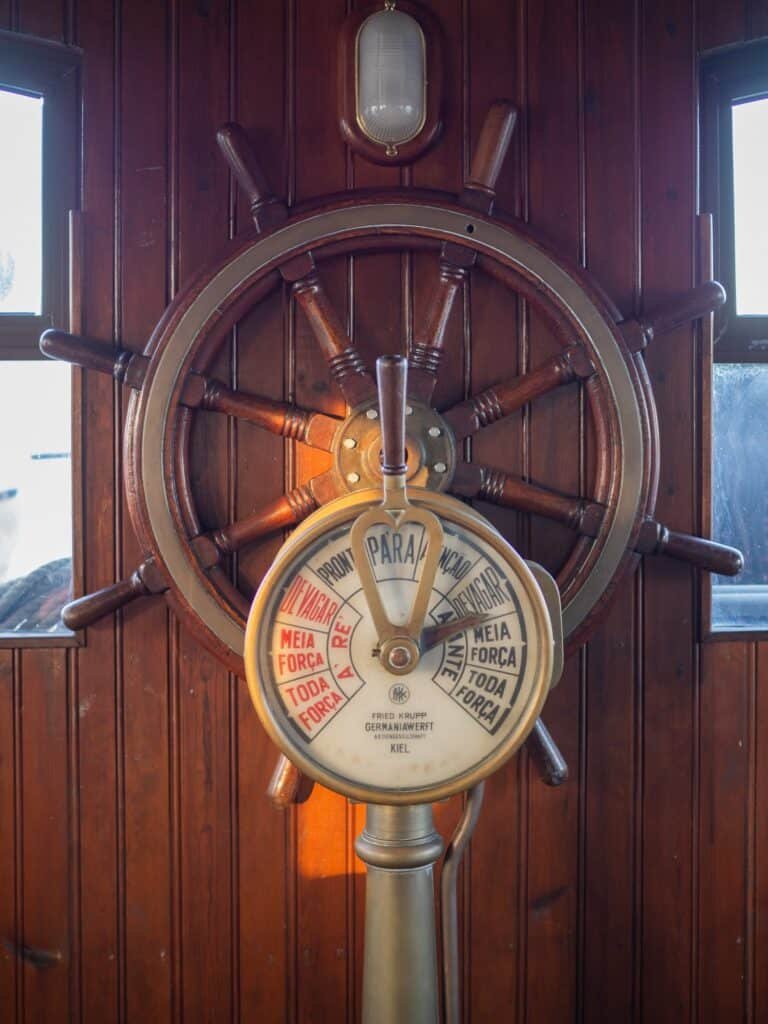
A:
x: 390, y: 78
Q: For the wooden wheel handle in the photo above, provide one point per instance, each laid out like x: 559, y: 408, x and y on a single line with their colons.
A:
x: 288, y: 786
x: 89, y: 609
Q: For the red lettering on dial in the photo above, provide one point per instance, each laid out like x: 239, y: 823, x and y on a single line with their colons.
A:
x: 289, y: 664
x: 306, y: 601
x: 296, y: 638
x: 340, y: 635
x: 316, y: 712
x: 312, y: 700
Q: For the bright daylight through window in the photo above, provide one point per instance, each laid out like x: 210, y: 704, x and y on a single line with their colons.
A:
x: 740, y: 373
x: 21, y: 179
x: 35, y: 401
x: 750, y: 200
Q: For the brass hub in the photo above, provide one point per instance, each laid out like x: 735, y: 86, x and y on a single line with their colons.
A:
x: 430, y: 448
x: 400, y: 655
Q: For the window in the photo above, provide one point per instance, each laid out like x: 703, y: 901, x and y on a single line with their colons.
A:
x: 38, y: 120
x: 734, y: 170
x: 38, y: 175
x: 21, y: 207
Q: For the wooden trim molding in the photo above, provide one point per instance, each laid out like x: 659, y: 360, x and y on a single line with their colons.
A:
x: 728, y: 76
x: 51, y: 70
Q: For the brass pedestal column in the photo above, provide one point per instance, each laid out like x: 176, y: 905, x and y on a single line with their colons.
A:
x: 399, y: 846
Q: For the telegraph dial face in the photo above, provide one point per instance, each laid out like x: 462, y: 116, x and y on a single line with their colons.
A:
x: 423, y: 730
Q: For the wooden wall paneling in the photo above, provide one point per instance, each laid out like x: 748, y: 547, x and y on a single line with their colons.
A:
x: 143, y: 282
x: 724, y: 869
x: 95, y: 678
x: 757, y: 19
x: 202, y: 81
x: 263, y: 888
x: 554, y: 458
x: 322, y: 945
x: 10, y: 937
x: 757, y: 907
x: 44, y: 18
x: 496, y: 913
x: 443, y: 168
x: 610, y: 760
x: 45, y: 915
x: 721, y: 24
x: 670, y: 707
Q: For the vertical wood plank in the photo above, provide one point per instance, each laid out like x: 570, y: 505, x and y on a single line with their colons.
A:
x: 95, y: 663
x: 323, y: 941
x: 611, y: 200
x: 143, y: 295
x: 721, y: 24
x: 757, y: 19
x: 203, y: 709
x: 265, y: 855
x: 264, y: 852
x: 44, y: 840
x: 724, y: 831
x: 554, y: 459
x: 758, y: 907
x: 46, y: 18
x: 495, y: 954
x: 670, y: 711
x: 443, y: 168
x: 9, y: 932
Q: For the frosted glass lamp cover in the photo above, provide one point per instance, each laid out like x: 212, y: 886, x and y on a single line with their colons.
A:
x: 391, y: 77
x: 391, y: 81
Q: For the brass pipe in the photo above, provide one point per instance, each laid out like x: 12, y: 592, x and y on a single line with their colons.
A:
x: 448, y: 902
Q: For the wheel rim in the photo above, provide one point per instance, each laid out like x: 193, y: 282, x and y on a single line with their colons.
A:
x: 196, y: 314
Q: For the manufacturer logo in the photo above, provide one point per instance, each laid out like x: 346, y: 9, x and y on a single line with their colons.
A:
x: 399, y: 693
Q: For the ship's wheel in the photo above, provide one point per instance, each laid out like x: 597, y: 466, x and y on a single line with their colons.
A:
x: 600, y: 352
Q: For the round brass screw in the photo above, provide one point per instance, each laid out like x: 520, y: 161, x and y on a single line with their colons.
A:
x: 353, y: 478
x: 434, y: 431
x: 399, y: 657
x: 372, y: 414
x: 440, y: 467
x: 349, y: 442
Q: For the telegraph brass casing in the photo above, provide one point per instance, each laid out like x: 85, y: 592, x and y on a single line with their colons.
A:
x: 347, y: 510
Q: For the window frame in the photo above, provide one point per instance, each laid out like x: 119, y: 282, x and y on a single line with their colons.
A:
x: 734, y: 74
x: 51, y: 70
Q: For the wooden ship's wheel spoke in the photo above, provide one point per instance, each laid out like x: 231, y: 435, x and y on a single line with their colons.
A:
x: 311, y: 428
x: 338, y: 349
x: 456, y: 261
x: 199, y: 392
x: 587, y: 517
x: 209, y: 548
x: 573, y: 363
x: 496, y: 402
